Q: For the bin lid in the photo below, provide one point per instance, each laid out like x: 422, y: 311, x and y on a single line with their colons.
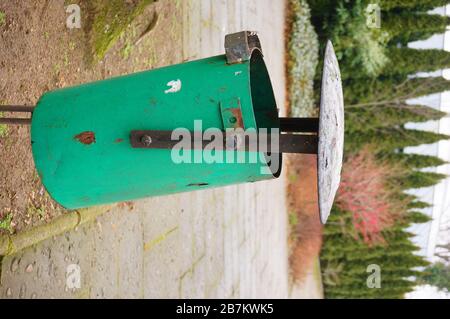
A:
x: 331, y: 133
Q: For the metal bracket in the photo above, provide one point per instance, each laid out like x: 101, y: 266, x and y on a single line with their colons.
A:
x: 232, y: 114
x: 240, y: 46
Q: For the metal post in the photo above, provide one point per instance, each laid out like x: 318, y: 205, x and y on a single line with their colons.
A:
x: 299, y: 125
x: 16, y: 109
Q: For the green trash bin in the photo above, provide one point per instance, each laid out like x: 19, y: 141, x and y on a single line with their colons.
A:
x: 150, y: 133
x: 81, y: 135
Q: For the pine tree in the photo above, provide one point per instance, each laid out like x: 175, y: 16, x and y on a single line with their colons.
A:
x: 401, y: 27
x: 417, y: 218
x: 373, y: 118
x: 437, y: 275
x: 415, y: 5
x: 412, y: 161
x: 414, y: 36
x: 403, y: 61
x: 418, y: 179
x: 389, y: 139
x: 418, y: 204
x: 391, y: 89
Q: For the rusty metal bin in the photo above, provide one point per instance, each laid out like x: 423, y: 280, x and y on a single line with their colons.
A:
x: 113, y: 140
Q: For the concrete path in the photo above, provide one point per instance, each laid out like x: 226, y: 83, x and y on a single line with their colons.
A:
x: 226, y: 242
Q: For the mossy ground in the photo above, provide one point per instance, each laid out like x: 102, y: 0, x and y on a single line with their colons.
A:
x: 106, y: 21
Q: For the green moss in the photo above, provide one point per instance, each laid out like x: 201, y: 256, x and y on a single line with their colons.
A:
x: 109, y: 21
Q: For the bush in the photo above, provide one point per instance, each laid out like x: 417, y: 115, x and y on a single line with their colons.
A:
x: 359, y: 48
x: 303, y: 53
x: 363, y: 192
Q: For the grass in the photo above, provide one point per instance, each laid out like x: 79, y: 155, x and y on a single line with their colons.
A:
x: 5, y: 223
x: 293, y: 219
x: 3, y: 128
x: 2, y: 18
x: 39, y: 212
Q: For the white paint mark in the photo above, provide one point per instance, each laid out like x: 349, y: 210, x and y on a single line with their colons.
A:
x: 237, y: 73
x: 175, y: 86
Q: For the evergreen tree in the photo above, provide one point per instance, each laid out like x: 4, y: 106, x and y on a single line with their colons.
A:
x: 417, y: 218
x: 402, y: 27
x: 415, y: 5
x: 418, y: 204
x: 391, y: 89
x: 403, y: 61
x: 412, y: 161
x: 389, y: 139
x: 437, y: 275
x: 418, y: 179
x: 373, y: 118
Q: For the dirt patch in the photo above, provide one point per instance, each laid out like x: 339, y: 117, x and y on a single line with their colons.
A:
x: 39, y: 53
x: 306, y: 232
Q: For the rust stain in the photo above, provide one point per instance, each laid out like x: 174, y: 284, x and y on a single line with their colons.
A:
x: 86, y: 138
x: 238, y: 116
x: 118, y: 140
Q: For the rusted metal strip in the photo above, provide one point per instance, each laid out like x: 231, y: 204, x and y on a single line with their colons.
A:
x: 16, y: 108
x: 287, y: 143
x: 15, y: 121
x: 299, y: 125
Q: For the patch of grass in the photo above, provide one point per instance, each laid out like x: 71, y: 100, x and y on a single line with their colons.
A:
x: 3, y: 127
x: 5, y: 223
x: 3, y: 130
x: 2, y: 18
x: 110, y: 20
x: 56, y: 68
x: 66, y: 59
x: 32, y: 210
x: 293, y: 219
x: 292, y: 177
x: 126, y: 51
